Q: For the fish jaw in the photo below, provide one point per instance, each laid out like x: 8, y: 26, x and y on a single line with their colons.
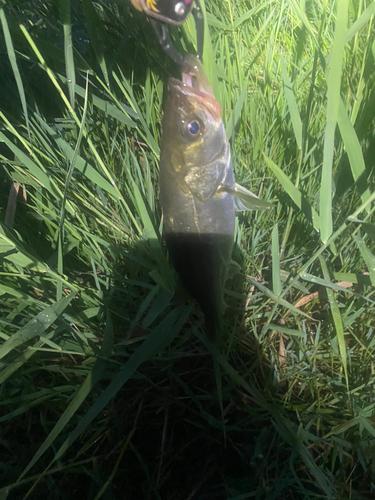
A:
x: 195, y: 87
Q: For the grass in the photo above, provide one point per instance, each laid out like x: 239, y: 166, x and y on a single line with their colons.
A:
x: 109, y: 388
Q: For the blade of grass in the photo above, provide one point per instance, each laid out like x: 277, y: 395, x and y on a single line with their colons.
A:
x: 275, y: 298
x: 73, y: 114
x: 354, y: 150
x: 60, y: 266
x: 361, y: 279
x: 94, y: 27
x: 16, y: 72
x: 276, y: 280
x: 120, y: 112
x: 337, y: 321
x: 37, y: 173
x: 367, y: 256
x: 251, y: 12
x: 292, y: 105
x: 334, y: 286
x: 82, y: 393
x: 81, y: 164
x: 296, y: 8
x: 295, y: 194
x: 287, y: 331
x: 37, y: 325
x: 127, y: 90
x: 19, y: 361
x: 65, y: 16
x: 333, y: 101
x: 74, y: 405
x: 360, y: 22
x: 233, y: 120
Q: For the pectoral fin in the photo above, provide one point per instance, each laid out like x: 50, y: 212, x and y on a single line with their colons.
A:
x: 246, y: 200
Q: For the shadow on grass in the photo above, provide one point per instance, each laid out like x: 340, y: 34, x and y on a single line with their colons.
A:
x: 170, y: 416
x: 163, y: 434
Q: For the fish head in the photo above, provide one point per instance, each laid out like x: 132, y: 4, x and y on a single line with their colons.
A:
x: 192, y: 125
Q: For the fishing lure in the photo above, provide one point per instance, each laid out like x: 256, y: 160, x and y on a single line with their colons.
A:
x: 165, y: 12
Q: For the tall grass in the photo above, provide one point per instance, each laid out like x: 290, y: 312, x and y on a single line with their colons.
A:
x: 109, y: 386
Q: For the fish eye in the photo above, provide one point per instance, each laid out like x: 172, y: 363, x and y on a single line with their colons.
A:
x: 193, y: 129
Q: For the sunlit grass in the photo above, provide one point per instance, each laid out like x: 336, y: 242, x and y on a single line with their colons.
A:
x: 109, y: 386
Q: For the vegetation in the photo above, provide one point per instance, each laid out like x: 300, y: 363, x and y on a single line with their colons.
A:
x: 109, y: 387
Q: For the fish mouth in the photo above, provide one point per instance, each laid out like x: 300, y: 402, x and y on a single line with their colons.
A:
x: 195, y: 85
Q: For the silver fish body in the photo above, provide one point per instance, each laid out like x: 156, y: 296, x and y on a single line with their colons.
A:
x: 196, y: 190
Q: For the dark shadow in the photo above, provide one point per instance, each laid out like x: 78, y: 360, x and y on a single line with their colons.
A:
x: 200, y: 261
x: 170, y: 406
x: 345, y: 181
x: 126, y: 38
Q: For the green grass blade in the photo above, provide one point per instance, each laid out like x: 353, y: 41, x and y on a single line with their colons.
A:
x: 20, y: 361
x: 354, y: 150
x: 65, y: 15
x: 301, y: 14
x: 233, y: 373
x: 20, y: 257
x: 294, y: 435
x: 208, y: 58
x: 36, y: 326
x: 276, y: 279
x: 338, y: 288
x: 82, y: 393
x: 363, y: 19
x: 333, y: 101
x: 295, y: 194
x: 13, y: 62
x: 127, y: 90
x: 60, y: 267
x: 287, y: 331
x: 233, y: 120
x: 150, y: 233
x: 21, y: 296
x: 292, y: 105
x: 275, y: 298
x: 94, y: 27
x: 80, y: 163
x: 39, y: 175
x: 367, y: 425
x: 367, y: 256
x: 71, y: 110
x: 361, y: 279
x: 71, y: 409
x: 337, y: 321
x: 251, y: 12
x: 120, y: 112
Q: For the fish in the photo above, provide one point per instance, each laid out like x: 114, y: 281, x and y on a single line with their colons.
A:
x: 198, y: 193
